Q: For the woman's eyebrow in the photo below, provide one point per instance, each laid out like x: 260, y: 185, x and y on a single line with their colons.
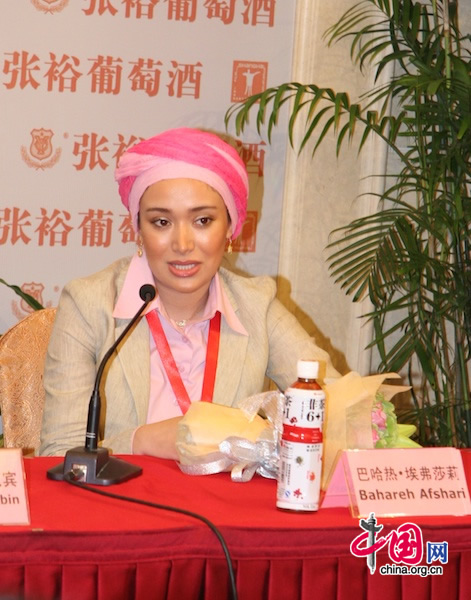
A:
x: 157, y: 209
x: 193, y: 210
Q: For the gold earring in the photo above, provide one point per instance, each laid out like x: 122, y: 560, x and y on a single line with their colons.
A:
x: 140, y: 252
x: 229, y: 247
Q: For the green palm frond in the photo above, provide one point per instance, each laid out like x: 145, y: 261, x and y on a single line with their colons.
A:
x: 30, y: 300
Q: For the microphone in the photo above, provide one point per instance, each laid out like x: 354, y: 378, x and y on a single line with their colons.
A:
x: 90, y: 463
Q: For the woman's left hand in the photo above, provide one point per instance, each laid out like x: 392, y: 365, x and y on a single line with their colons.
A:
x: 157, y: 439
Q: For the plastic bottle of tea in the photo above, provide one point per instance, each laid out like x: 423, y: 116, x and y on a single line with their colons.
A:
x: 300, y: 468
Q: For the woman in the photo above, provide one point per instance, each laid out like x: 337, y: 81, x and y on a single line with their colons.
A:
x: 186, y: 191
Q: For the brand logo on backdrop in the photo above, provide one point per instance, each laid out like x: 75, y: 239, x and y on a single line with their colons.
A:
x: 49, y: 6
x: 246, y: 242
x: 22, y: 309
x: 41, y: 154
x: 248, y: 78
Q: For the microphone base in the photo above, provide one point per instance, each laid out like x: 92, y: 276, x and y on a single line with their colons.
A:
x: 94, y: 466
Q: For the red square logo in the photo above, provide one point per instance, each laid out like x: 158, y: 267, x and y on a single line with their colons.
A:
x: 248, y: 78
x: 246, y: 241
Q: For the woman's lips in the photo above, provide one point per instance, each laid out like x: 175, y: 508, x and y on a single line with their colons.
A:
x: 184, y: 269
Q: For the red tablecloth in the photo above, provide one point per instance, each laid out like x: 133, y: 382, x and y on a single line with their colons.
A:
x: 84, y: 546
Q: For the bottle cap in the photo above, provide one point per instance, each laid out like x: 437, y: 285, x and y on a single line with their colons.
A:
x: 308, y: 369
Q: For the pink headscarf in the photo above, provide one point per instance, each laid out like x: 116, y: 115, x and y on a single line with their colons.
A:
x: 184, y: 153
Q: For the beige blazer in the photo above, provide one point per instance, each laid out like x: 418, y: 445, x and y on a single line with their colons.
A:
x: 84, y: 330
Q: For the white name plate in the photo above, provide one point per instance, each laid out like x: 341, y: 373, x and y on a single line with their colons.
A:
x: 14, y: 508
x: 406, y: 481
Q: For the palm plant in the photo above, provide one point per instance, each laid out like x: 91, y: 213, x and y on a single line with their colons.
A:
x: 412, y: 257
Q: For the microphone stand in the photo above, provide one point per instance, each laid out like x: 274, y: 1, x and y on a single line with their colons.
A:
x: 89, y: 463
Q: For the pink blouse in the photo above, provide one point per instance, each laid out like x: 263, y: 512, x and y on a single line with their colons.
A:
x: 188, y: 344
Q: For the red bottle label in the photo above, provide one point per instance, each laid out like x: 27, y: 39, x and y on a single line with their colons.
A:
x: 302, y: 434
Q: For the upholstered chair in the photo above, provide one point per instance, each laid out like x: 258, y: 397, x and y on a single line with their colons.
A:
x: 22, y: 354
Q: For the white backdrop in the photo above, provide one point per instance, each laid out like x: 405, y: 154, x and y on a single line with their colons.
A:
x: 82, y: 80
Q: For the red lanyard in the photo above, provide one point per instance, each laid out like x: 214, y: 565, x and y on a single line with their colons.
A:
x: 171, y: 368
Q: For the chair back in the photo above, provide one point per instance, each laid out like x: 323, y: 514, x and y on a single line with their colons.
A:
x: 22, y: 355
